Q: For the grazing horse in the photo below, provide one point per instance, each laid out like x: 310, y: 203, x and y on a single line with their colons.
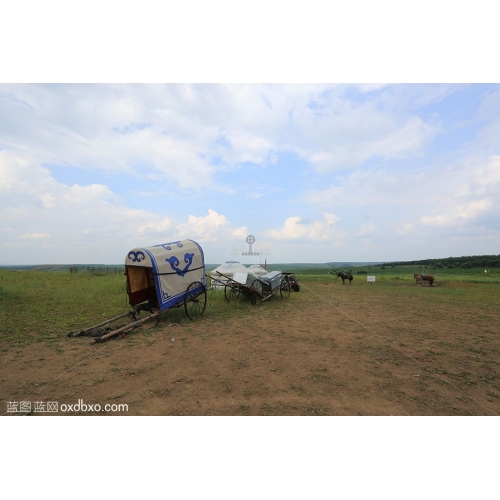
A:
x: 429, y: 278
x: 420, y: 278
x: 345, y: 276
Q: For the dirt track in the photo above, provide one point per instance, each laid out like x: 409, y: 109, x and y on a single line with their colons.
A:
x: 328, y: 350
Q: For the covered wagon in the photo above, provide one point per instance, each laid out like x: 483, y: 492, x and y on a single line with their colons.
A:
x: 168, y: 275
x: 159, y: 277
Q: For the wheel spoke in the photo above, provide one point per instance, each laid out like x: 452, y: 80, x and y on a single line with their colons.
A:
x: 195, y: 300
x: 231, y: 292
x: 256, y: 292
x: 285, y: 288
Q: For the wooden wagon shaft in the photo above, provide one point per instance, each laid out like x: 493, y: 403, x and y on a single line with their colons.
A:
x: 85, y: 331
x: 125, y: 328
x: 215, y: 280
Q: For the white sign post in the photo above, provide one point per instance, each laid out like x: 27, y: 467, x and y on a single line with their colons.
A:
x: 371, y: 279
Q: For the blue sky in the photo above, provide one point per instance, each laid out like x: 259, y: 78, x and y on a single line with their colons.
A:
x: 316, y: 172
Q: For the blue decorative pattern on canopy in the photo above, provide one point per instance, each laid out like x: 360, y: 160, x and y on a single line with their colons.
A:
x: 174, y: 263
x: 136, y: 256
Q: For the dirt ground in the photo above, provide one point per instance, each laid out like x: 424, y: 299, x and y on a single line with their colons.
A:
x: 327, y: 350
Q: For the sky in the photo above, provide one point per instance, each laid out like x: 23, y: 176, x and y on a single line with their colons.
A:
x: 315, y: 172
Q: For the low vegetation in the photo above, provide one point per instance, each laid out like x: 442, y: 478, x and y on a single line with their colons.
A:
x: 43, y: 305
x: 46, y: 305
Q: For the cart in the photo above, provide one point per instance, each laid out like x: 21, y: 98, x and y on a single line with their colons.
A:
x: 257, y: 289
x: 294, y: 284
x: 159, y: 278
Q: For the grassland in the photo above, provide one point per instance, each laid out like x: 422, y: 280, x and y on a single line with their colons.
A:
x: 383, y: 348
x: 43, y: 305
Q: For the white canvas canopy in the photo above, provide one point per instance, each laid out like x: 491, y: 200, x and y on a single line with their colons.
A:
x: 229, y: 268
x: 257, y: 270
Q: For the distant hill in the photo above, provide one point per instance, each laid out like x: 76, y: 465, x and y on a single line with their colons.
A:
x: 60, y: 267
x: 352, y: 264
x: 465, y: 262
x: 485, y: 261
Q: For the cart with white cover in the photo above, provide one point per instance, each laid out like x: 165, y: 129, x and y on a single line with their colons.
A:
x: 257, y: 288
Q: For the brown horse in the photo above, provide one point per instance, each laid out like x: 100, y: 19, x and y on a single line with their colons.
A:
x: 429, y: 278
x: 345, y: 276
x: 420, y: 278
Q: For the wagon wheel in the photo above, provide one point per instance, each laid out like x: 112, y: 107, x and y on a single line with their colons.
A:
x: 256, y: 292
x: 231, y: 293
x: 195, y: 300
x: 285, y: 288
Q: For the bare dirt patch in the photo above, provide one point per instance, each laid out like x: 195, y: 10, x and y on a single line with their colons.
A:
x: 328, y: 350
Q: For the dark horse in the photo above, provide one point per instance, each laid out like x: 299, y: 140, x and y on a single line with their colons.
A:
x: 345, y: 276
x: 422, y: 277
x: 428, y: 278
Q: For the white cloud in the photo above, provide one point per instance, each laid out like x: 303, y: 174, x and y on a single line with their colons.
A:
x: 330, y: 218
x: 468, y: 191
x: 89, y: 224
x: 459, y: 213
x: 153, y: 228
x: 367, y: 229
x: 84, y: 223
x: 296, y: 228
x: 34, y: 236
x: 370, y: 87
x: 468, y: 181
x: 212, y: 228
x: 406, y: 228
x: 358, y: 134
x: 240, y: 233
x: 48, y: 200
x: 177, y: 130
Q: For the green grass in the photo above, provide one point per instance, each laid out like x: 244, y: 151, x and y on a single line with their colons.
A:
x: 46, y: 305
x: 43, y: 304
x: 404, y: 274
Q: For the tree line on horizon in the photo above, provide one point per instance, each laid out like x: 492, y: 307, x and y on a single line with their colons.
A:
x: 465, y: 262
